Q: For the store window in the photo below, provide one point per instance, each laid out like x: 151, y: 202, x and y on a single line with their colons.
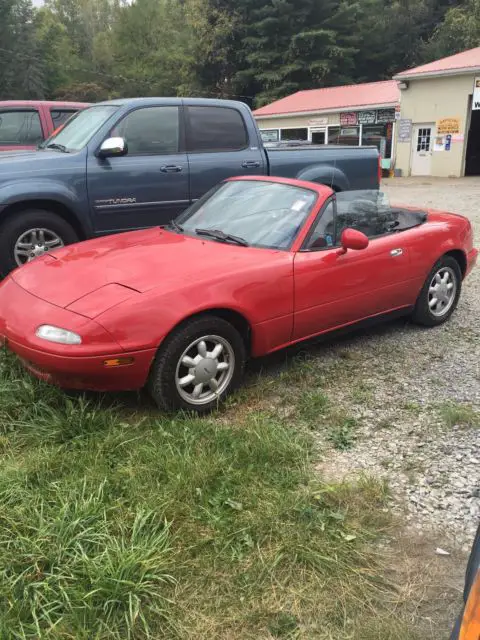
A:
x: 270, y: 135
x: 344, y: 135
x: 318, y: 136
x: 294, y: 134
x: 380, y: 136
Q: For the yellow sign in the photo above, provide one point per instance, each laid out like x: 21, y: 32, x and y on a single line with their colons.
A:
x: 448, y: 125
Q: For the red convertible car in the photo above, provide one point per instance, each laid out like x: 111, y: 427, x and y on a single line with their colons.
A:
x: 256, y: 265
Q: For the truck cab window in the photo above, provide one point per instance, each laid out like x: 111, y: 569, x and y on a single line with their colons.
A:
x: 215, y: 129
x: 150, y: 131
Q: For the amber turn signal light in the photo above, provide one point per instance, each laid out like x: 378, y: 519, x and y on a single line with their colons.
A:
x: 470, y: 629
x: 118, y: 362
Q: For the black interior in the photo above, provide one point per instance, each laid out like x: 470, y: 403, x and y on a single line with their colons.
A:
x: 472, y: 166
x: 375, y: 219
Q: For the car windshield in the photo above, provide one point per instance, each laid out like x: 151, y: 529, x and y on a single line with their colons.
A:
x: 257, y: 213
x: 80, y: 128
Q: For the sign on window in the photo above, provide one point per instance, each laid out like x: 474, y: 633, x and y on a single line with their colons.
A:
x: 270, y: 135
x: 366, y: 117
x: 348, y: 118
x: 385, y: 115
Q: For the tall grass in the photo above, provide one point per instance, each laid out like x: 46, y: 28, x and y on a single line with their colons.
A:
x: 116, y: 523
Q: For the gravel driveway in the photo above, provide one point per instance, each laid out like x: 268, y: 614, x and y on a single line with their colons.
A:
x: 418, y: 398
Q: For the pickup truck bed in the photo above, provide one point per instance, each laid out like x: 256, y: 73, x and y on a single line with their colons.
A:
x: 350, y: 168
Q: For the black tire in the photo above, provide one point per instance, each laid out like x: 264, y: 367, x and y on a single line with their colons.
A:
x: 162, y: 381
x: 20, y: 222
x: 422, y: 313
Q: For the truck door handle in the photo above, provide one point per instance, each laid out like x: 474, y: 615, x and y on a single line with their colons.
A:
x: 171, y: 168
x: 250, y: 164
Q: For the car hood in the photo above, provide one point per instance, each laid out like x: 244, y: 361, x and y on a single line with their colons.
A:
x: 16, y: 164
x: 117, y: 267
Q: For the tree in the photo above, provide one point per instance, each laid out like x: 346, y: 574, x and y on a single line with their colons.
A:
x: 21, y: 73
x: 217, y: 27
x: 152, y: 48
x: 83, y: 92
x: 55, y: 50
x: 299, y: 44
x: 460, y: 30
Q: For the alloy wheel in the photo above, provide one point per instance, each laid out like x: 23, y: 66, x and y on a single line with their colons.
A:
x: 442, y: 292
x: 205, y: 369
x: 34, y: 243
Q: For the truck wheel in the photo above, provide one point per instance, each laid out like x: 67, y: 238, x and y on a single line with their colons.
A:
x: 29, y: 234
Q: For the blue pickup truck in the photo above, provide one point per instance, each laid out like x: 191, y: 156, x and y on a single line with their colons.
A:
x: 128, y: 164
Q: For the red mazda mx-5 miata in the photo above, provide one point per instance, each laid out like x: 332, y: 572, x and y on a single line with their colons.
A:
x: 256, y: 265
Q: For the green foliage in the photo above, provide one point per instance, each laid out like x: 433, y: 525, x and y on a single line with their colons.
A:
x: 255, y: 50
x: 116, y: 524
x: 457, y: 414
x: 459, y: 31
x: 21, y: 70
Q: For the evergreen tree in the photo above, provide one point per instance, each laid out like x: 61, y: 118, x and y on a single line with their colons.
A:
x: 460, y: 30
x: 21, y: 71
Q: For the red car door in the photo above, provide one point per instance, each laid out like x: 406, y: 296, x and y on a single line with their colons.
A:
x: 332, y: 290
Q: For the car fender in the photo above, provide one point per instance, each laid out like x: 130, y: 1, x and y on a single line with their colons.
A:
x: 448, y: 245
x: 329, y: 175
x: 270, y: 324
x: 30, y: 191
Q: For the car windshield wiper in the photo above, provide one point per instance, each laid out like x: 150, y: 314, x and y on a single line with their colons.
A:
x: 175, y: 226
x: 217, y: 234
x: 55, y: 145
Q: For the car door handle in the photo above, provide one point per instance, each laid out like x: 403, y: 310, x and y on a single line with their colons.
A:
x: 396, y: 252
x: 250, y: 164
x: 171, y: 168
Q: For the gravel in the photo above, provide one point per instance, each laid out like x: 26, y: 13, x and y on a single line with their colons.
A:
x: 406, y: 375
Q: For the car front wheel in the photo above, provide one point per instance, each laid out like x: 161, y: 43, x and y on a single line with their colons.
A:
x: 198, y: 365
x: 440, y: 293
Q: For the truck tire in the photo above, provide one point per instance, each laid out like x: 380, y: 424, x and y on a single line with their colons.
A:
x: 29, y: 234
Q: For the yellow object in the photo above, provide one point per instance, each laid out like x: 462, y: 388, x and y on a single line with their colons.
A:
x: 470, y: 629
x: 117, y: 362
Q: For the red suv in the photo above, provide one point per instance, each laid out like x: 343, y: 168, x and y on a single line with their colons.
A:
x: 24, y: 124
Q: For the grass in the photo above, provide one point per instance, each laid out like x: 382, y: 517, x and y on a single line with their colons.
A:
x: 117, y: 523
x: 457, y: 414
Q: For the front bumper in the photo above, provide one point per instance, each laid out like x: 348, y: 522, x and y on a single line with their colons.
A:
x: 72, y: 367
x: 86, y: 373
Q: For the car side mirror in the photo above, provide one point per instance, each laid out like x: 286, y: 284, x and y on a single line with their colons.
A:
x: 352, y: 239
x: 112, y: 147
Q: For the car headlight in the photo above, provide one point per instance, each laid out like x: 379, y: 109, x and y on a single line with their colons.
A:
x: 56, y: 334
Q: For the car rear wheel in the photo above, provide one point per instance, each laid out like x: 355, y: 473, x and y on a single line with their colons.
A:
x: 198, y: 365
x: 440, y: 293
x: 30, y: 234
